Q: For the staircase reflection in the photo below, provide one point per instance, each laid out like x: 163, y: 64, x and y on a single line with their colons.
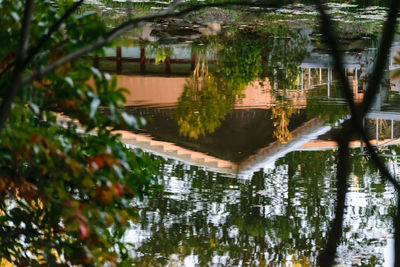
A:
x: 245, y: 141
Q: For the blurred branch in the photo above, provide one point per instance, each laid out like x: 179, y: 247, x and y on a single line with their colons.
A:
x: 16, y: 80
x: 53, y: 29
x: 170, y: 12
x: 331, y: 36
x: 36, y: 49
x: 327, y: 257
x: 382, y: 58
x: 396, y: 224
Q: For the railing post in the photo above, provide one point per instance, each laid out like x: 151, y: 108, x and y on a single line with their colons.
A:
x: 193, y: 61
x: 119, y: 60
x: 143, y: 59
x: 168, y: 64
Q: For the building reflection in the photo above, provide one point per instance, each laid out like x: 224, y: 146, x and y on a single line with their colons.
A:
x: 247, y: 137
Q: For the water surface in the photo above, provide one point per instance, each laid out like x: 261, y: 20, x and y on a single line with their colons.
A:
x: 240, y: 115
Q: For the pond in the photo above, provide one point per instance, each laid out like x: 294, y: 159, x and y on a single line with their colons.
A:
x: 241, y: 107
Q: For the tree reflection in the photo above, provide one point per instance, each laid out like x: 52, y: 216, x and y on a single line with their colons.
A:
x: 209, y: 96
x: 278, y: 217
x: 203, y: 103
x: 281, y: 113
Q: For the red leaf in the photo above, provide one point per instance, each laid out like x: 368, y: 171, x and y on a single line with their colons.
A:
x: 34, y: 138
x: 99, y: 161
x: 83, y: 231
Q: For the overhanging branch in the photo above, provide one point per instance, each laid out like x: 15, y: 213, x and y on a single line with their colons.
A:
x: 129, y: 25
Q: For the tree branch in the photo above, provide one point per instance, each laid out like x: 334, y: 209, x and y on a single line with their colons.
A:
x: 33, y: 51
x: 16, y: 82
x: 54, y: 28
x: 382, y: 57
x: 170, y: 12
x: 327, y: 257
x: 330, y: 34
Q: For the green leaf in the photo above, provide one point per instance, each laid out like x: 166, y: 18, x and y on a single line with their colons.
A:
x: 93, y: 107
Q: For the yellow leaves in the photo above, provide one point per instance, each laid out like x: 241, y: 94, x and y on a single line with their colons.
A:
x: 282, y: 112
x: 21, y: 188
x: 26, y: 190
x: 212, y: 243
x: 4, y: 184
x: 396, y: 59
x: 5, y: 263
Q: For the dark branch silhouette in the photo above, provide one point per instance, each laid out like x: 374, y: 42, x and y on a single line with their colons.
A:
x: 16, y: 82
x: 19, y: 81
x: 327, y: 30
x: 128, y: 26
x: 382, y: 57
x: 24, y: 56
x: 45, y: 38
x: 327, y: 257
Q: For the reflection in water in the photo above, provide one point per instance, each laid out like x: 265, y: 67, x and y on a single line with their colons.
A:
x: 209, y: 96
x: 281, y: 113
x: 251, y: 114
x: 278, y: 217
x: 203, y: 103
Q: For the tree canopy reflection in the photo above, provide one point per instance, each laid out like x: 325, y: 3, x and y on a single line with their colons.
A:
x: 243, y: 56
x: 203, y: 103
x: 280, y: 216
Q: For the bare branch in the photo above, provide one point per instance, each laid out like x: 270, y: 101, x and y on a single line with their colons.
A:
x: 129, y: 25
x: 382, y: 57
x: 16, y: 84
x: 327, y: 257
x: 328, y: 31
x: 379, y: 163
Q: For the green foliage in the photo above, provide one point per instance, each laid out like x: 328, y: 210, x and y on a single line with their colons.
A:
x: 240, y: 61
x: 203, y: 103
x: 66, y: 182
x: 283, y: 55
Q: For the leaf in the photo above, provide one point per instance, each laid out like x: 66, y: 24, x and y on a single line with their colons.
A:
x: 396, y: 74
x: 69, y: 81
x: 93, y: 107
x: 130, y: 120
x: 34, y: 107
x: 15, y: 16
x: 83, y: 231
x: 96, y: 72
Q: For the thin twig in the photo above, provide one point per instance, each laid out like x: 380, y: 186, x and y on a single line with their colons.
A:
x: 52, y: 30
